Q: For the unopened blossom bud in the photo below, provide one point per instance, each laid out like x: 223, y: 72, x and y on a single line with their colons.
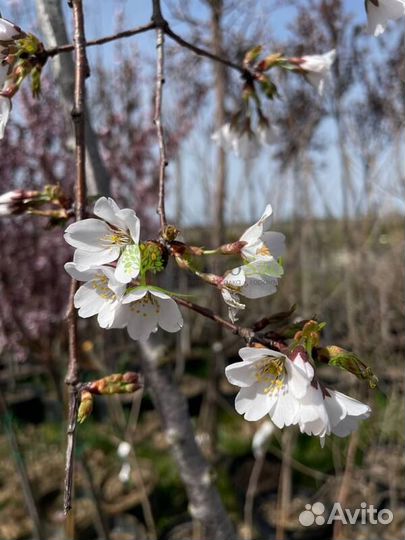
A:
x: 336, y: 356
x: 298, y: 336
x: 315, y: 338
x: 232, y: 249
x: 170, y: 233
x: 16, y: 201
x: 213, y: 279
x: 252, y: 55
x: 154, y: 256
x: 20, y: 53
x: 269, y: 61
x: 85, y: 407
x: 268, y: 87
x: 118, y: 383
x: 310, y: 326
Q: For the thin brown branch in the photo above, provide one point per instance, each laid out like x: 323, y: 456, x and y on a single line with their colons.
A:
x: 251, y: 494
x: 207, y: 54
x: 163, y: 24
x: 80, y: 202
x: 246, y: 333
x: 346, y: 482
x: 69, y: 47
x: 158, y: 123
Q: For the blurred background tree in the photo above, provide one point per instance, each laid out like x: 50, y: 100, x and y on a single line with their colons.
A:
x: 335, y: 176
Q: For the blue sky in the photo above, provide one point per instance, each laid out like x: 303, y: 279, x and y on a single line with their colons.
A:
x: 244, y: 195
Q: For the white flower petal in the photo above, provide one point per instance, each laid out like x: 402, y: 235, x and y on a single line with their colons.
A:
x: 235, y: 278
x: 255, y: 231
x: 298, y: 381
x: 345, y: 412
x: 170, y: 318
x: 108, y: 210
x: 259, y: 286
x: 8, y: 30
x: 252, y: 354
x: 284, y: 410
x: 106, y: 314
x: 88, y: 301
x: 159, y: 294
x: 5, y: 108
x: 379, y: 16
x: 317, y: 68
x: 241, y: 374
x: 88, y: 235
x: 129, y: 264
x: 135, y: 294
x: 142, y: 320
x: 87, y: 259
x: 252, y: 403
x: 131, y: 222
x: 80, y: 275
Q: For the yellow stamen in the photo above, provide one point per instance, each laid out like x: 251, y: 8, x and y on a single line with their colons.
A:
x: 271, y: 371
x: 264, y: 251
x: 100, y: 284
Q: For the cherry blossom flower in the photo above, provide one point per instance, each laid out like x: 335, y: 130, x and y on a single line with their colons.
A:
x: 101, y: 294
x: 146, y: 308
x: 260, y: 243
x: 100, y: 241
x: 15, y: 201
x: 253, y: 280
x: 380, y: 12
x: 259, y: 277
x: 243, y: 142
x: 315, y: 68
x: 286, y: 389
x: 324, y: 411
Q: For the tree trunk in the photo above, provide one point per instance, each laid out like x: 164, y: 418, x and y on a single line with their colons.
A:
x: 205, y: 505
x: 52, y: 24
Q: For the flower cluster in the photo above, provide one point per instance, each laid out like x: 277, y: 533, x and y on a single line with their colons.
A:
x: 285, y: 387
x: 243, y: 135
x: 114, y: 267
x: 261, y: 251
x: 21, y: 54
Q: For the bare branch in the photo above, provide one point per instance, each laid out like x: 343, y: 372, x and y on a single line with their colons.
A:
x: 205, y: 505
x: 52, y: 24
x: 158, y: 123
x: 248, y: 334
x: 101, y: 41
x: 207, y: 54
x: 78, y: 115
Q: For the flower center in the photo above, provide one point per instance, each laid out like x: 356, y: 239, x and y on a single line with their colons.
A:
x: 263, y: 251
x: 117, y: 237
x: 145, y: 305
x: 271, y: 371
x: 100, y: 284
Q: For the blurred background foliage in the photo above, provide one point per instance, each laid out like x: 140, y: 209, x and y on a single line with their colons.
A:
x: 335, y: 177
